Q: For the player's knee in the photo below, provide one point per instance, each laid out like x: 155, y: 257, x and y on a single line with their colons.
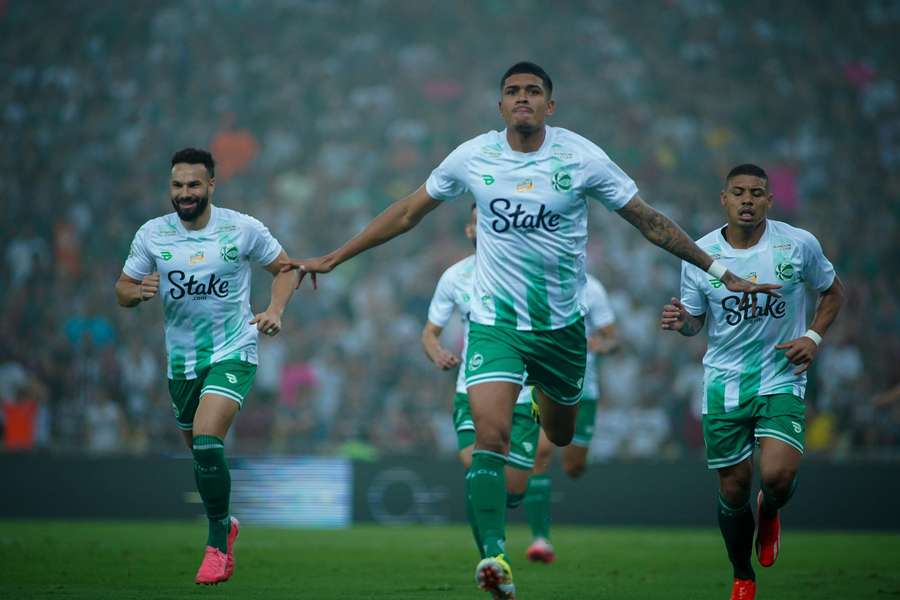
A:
x: 735, y: 490
x: 735, y: 496
x: 560, y: 436
x: 498, y: 443
x: 778, y: 481
x: 492, y: 437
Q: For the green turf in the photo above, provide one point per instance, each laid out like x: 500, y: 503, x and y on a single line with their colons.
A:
x: 158, y: 560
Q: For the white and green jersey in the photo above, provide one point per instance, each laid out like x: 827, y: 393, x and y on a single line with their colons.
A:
x: 454, y: 292
x: 532, y: 222
x: 204, y: 281
x: 597, y: 313
x: 741, y: 360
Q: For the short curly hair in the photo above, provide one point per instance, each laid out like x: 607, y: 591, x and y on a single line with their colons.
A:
x: 747, y: 169
x: 532, y: 69
x: 196, y: 156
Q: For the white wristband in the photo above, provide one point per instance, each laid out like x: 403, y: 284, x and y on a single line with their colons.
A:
x: 813, y: 336
x: 716, y: 269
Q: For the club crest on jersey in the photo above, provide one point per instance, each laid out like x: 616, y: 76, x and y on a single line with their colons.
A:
x: 562, y: 181
x: 166, y: 255
x: 197, y: 257
x: 229, y: 253
x: 784, y: 271
x: 716, y: 283
x: 488, y: 179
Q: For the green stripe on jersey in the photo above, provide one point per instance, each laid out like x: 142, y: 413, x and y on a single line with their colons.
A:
x: 203, y: 343
x: 232, y: 326
x: 538, y: 304
x: 567, y: 277
x: 715, y: 395
x: 177, y: 355
x: 751, y: 373
x: 177, y: 360
x: 781, y: 363
x: 505, y: 313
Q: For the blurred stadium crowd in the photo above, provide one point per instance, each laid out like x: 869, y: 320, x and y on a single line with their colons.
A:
x: 320, y: 113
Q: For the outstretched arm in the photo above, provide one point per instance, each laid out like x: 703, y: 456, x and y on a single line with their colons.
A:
x: 665, y: 233
x: 802, y: 350
x: 283, y: 286
x: 399, y: 217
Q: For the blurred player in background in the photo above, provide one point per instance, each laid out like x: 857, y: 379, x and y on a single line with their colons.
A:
x: 756, y: 361
x: 454, y: 293
x: 602, y: 338
x: 199, y: 257
x: 532, y: 184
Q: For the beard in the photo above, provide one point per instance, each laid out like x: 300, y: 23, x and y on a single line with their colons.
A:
x: 525, y: 128
x: 190, y: 214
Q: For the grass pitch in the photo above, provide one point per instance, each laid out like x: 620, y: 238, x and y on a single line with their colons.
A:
x: 96, y: 560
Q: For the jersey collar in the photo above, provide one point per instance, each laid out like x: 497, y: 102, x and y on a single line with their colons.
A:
x: 548, y: 134
x: 213, y: 217
x: 759, y: 246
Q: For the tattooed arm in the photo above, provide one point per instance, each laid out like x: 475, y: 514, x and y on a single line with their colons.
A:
x: 675, y: 317
x: 665, y: 233
x: 692, y: 325
x: 662, y: 231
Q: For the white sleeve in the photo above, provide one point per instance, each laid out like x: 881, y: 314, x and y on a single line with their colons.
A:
x: 599, y: 309
x: 448, y: 180
x: 605, y: 181
x: 264, y: 248
x: 692, y: 296
x: 140, y: 261
x: 817, y: 269
x: 441, y: 308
